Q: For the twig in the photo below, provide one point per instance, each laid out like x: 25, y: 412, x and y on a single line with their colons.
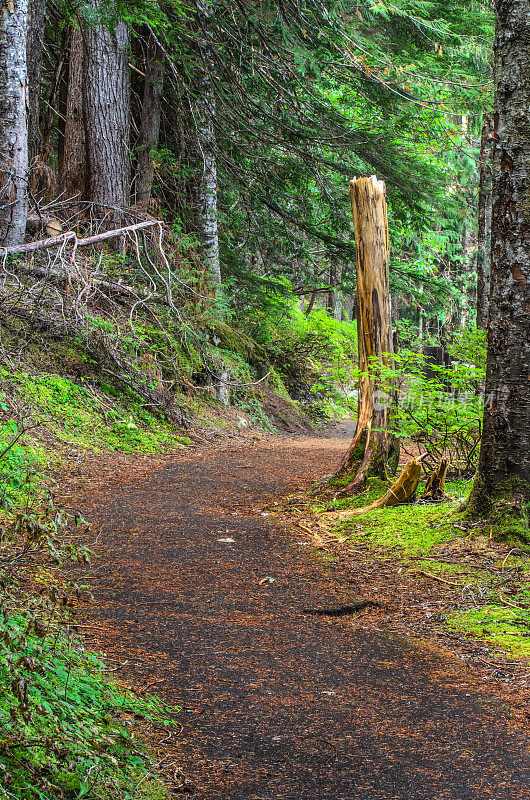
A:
x: 17, y: 437
x: 435, y: 577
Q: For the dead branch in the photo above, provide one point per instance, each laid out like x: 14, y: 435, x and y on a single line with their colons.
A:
x: 71, y: 237
x: 113, y: 288
x: 159, y: 401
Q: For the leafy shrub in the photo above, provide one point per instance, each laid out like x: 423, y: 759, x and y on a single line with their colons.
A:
x: 313, y: 354
x: 440, y: 415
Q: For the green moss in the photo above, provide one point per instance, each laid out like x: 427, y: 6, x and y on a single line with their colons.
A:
x: 506, y: 508
x: 229, y: 338
x: 375, y: 487
x: 500, y: 625
x: 77, y: 415
x: 410, y: 531
x: 413, y: 530
x: 277, y: 385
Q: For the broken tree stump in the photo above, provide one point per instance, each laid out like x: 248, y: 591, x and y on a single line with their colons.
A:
x: 375, y: 449
x: 435, y: 486
x: 402, y: 491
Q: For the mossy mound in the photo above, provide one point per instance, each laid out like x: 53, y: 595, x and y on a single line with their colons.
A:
x: 227, y: 337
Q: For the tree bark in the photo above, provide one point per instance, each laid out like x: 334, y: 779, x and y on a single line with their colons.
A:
x: 374, y: 450
x: 73, y: 177
x: 484, y: 225
x: 107, y: 115
x: 34, y: 46
x: 435, y: 486
x: 504, y: 464
x: 205, y: 101
x: 334, y: 296
x: 150, y: 121
x: 13, y: 122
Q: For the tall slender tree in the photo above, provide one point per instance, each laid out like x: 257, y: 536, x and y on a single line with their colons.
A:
x: 35, y: 43
x: 13, y: 122
x: 206, y: 141
x: 504, y: 464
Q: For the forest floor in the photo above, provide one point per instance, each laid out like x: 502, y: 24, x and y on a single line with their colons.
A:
x: 200, y: 597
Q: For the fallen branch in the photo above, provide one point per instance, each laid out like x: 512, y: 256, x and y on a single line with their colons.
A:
x: 71, y: 236
x: 13, y: 441
x: 112, y: 288
x: 402, y: 491
x: 161, y: 402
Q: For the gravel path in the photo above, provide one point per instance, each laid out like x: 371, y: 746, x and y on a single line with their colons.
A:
x: 278, y: 705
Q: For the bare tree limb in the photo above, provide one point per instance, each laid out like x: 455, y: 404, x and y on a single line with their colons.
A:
x: 71, y: 236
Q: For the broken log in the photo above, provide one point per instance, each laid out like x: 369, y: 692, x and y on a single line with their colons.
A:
x: 402, y: 491
x: 435, y: 486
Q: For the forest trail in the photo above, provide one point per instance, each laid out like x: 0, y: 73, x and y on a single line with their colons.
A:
x: 278, y: 705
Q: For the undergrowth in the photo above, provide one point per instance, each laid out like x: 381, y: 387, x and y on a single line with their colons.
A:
x: 65, y: 727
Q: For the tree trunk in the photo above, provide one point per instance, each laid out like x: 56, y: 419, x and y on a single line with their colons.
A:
x: 35, y: 42
x: 55, y: 91
x: 484, y: 225
x: 13, y: 123
x: 208, y: 216
x: 107, y: 115
x: 504, y: 465
x: 150, y: 122
x: 311, y: 303
x: 374, y: 450
x: 335, y: 298
x: 73, y: 178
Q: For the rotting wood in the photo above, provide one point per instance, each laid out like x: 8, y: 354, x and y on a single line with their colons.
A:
x: 402, y: 491
x: 435, y: 486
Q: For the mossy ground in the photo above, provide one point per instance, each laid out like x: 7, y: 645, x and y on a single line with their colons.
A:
x: 420, y: 536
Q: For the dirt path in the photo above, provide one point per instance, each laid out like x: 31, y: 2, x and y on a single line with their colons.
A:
x: 277, y: 704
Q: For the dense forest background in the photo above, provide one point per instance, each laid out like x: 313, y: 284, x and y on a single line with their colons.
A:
x: 239, y: 124
x: 179, y: 265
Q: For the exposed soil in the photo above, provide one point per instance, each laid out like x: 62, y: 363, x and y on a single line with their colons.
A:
x: 277, y: 703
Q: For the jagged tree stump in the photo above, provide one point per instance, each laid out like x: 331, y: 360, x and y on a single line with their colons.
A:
x: 374, y: 450
x: 401, y: 492
x: 435, y: 486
